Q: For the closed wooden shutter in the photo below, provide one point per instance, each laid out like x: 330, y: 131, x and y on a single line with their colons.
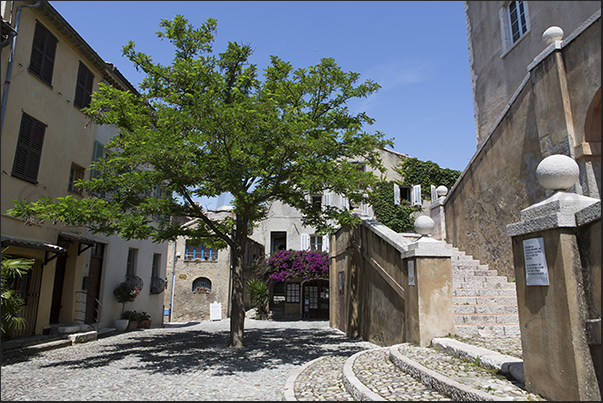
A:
x: 43, y: 51
x: 29, y: 149
x: 83, y: 88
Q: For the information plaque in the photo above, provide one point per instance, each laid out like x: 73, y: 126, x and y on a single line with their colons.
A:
x: 535, y: 261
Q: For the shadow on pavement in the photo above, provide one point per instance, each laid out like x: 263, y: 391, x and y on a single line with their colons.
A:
x: 194, y: 350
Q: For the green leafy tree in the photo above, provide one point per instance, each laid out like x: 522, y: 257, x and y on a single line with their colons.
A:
x: 426, y: 173
x: 209, y: 124
x: 12, y: 301
x: 397, y: 217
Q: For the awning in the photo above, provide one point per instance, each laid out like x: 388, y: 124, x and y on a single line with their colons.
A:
x: 56, y: 250
x: 67, y: 239
x: 26, y: 243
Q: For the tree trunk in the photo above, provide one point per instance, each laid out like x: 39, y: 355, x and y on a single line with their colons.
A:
x: 237, y: 313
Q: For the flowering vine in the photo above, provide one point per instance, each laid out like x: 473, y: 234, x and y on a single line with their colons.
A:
x: 288, y: 264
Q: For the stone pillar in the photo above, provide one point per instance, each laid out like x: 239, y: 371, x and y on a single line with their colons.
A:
x: 551, y: 302
x: 426, y: 264
x: 436, y: 212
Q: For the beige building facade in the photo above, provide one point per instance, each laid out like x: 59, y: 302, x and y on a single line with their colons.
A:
x: 49, y: 73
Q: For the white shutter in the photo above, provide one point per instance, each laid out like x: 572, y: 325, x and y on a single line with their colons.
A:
x: 434, y: 194
x: 344, y: 202
x: 309, y: 198
x: 396, y: 194
x: 416, y: 195
x: 326, y: 199
x: 325, y: 243
x: 305, y: 241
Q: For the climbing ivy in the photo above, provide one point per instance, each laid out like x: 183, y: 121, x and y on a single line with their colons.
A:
x: 425, y: 173
x: 397, y: 217
x: 413, y: 171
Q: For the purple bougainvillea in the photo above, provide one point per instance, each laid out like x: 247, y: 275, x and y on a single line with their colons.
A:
x: 288, y: 264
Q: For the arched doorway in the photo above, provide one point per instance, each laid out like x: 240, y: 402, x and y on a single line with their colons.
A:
x: 315, y: 299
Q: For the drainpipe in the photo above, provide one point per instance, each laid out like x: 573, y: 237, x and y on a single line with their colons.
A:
x: 173, y: 280
x: 12, y: 39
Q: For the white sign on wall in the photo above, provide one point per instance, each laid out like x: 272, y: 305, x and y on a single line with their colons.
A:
x: 215, y: 311
x: 535, y: 260
x: 411, y: 272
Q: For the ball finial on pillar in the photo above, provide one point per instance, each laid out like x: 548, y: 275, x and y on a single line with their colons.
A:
x: 424, y: 225
x: 557, y: 172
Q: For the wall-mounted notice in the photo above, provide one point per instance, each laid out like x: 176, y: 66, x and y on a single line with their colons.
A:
x: 536, y: 269
x: 411, y: 272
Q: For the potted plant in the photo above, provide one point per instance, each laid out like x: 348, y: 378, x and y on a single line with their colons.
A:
x: 144, y: 320
x: 124, y: 292
x: 132, y: 317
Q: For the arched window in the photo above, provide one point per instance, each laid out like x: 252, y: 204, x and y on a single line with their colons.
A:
x: 202, y: 285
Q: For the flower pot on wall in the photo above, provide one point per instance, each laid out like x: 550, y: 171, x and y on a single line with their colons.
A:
x: 121, y: 324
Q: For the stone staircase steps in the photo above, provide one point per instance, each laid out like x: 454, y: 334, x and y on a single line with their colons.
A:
x: 484, y: 302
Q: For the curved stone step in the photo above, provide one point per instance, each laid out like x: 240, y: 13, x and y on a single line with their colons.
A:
x: 371, y: 376
x: 436, y: 369
x: 319, y: 379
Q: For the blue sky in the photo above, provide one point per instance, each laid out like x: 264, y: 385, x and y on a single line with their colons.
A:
x: 416, y: 51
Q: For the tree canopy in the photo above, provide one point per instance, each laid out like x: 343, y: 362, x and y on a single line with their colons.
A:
x: 208, y: 124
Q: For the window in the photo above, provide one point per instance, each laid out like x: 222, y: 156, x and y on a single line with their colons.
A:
x: 515, y: 23
x: 97, y: 154
x: 200, y: 251
x: 517, y: 20
x: 292, y: 294
x: 43, y: 52
x: 29, y: 149
x: 77, y: 172
x: 317, y: 201
x: 316, y: 242
x: 202, y: 285
x: 131, y: 264
x: 156, y: 263
x: 83, y: 87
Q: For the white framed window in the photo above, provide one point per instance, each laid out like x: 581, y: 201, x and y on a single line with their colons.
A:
x: 515, y: 23
x: 316, y: 242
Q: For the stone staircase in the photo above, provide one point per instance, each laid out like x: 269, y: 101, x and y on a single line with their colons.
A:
x: 485, y: 304
x: 485, y: 313
x: 405, y: 372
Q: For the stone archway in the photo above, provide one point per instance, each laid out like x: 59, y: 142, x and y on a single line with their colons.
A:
x: 588, y: 151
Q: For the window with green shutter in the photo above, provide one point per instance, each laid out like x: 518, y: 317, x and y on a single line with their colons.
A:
x: 29, y: 149
x: 83, y: 87
x: 43, y: 51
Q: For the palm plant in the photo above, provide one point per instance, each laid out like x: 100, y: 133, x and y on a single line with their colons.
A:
x: 11, y: 299
x: 259, y: 295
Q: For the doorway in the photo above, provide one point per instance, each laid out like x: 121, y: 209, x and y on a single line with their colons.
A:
x: 316, y: 299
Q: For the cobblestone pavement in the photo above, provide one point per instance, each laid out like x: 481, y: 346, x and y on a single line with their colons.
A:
x: 188, y: 362
x: 192, y: 362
